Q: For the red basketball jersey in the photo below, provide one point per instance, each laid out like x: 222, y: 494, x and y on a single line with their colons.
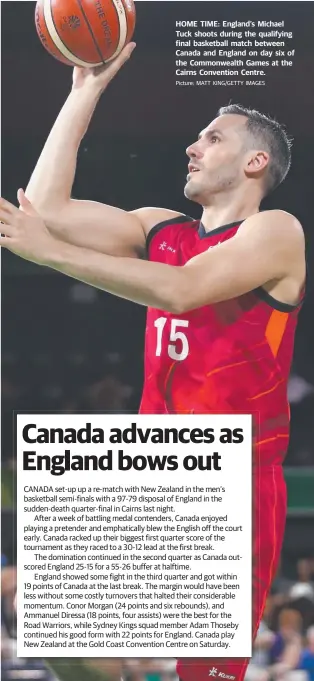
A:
x: 227, y: 357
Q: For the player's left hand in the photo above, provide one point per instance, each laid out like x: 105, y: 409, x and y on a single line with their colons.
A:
x: 23, y: 231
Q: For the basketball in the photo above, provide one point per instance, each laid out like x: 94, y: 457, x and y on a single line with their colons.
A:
x: 85, y: 33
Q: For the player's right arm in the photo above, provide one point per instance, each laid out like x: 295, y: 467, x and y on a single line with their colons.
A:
x: 85, y: 223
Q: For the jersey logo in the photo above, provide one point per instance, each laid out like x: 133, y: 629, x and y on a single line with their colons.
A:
x: 214, y: 672
x: 214, y: 246
x: 164, y: 247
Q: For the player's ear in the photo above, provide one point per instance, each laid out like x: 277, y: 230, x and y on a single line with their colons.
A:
x: 256, y: 162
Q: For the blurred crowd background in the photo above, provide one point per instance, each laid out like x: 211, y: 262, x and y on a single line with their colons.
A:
x: 67, y: 347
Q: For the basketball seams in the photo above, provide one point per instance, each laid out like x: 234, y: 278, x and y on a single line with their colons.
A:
x: 114, y: 7
x: 90, y: 31
x: 119, y: 18
x: 42, y: 27
x: 57, y: 40
x: 122, y: 17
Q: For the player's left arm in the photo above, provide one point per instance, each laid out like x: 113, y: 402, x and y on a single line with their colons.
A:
x: 265, y: 248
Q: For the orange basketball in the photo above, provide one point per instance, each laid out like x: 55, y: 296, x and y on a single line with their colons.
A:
x: 85, y: 32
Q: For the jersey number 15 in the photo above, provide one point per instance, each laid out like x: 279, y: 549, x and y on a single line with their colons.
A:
x: 178, y: 345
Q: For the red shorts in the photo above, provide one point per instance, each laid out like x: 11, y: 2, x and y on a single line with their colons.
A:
x: 268, y: 531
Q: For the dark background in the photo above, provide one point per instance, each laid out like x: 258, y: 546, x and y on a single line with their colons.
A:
x: 66, y: 346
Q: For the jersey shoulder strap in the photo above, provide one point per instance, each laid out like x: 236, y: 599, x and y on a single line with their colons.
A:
x: 179, y: 220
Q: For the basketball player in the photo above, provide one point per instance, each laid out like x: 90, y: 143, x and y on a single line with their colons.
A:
x: 223, y: 293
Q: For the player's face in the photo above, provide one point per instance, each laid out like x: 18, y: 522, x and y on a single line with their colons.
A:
x: 216, y: 159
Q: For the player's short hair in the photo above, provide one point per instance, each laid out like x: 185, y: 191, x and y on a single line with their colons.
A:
x: 269, y: 135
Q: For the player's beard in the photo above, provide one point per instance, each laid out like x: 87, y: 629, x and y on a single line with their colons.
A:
x: 205, y: 185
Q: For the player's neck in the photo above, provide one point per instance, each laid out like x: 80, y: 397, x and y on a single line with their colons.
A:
x: 224, y: 210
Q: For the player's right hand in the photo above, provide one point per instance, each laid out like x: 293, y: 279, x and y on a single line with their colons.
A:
x: 99, y: 77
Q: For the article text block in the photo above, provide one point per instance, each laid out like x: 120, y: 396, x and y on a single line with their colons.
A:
x: 134, y: 535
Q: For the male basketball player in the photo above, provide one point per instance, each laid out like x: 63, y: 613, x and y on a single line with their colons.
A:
x: 223, y: 294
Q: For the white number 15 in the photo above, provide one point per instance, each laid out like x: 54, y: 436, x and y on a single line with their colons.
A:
x: 178, y: 347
